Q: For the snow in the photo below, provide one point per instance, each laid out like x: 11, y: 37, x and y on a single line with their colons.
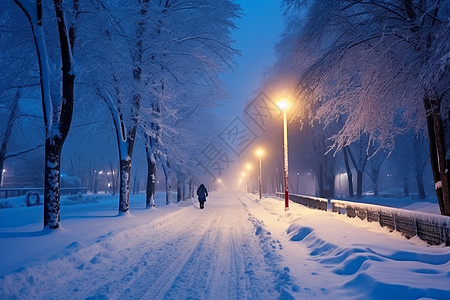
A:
x: 238, y: 247
x: 411, y: 214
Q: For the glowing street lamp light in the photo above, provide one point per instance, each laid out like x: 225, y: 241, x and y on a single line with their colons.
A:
x: 283, y: 104
x: 260, y: 152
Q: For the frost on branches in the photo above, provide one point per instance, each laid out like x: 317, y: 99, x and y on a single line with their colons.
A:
x: 381, y: 66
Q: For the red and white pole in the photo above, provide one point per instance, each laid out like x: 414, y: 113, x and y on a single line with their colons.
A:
x: 286, y: 181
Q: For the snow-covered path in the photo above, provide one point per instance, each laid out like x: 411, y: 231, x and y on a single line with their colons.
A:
x: 238, y: 247
x: 186, y: 254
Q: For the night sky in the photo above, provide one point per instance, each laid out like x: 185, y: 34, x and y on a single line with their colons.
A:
x: 258, y: 31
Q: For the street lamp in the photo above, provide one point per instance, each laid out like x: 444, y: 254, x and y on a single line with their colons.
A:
x: 283, y: 104
x: 260, y: 152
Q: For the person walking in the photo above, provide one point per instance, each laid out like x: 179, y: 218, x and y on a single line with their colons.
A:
x: 202, y: 193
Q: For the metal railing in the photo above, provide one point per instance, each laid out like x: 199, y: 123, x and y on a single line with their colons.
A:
x: 432, y: 228
x: 311, y: 202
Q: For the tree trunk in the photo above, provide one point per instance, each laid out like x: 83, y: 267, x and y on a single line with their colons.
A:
x: 151, y: 179
x: 359, y: 167
x: 419, y: 163
x: 439, y: 163
x: 113, y: 179
x: 329, y: 188
x: 167, y: 174
x: 329, y: 175
x: 320, y: 181
x: 54, y: 144
x: 95, y: 182
x: 150, y: 144
x: 91, y: 177
x: 375, y: 187
x: 349, y: 173
x: 359, y: 181
x: 191, y: 188
x: 125, y: 158
x: 184, y: 191
x: 405, y: 186
x: 57, y: 112
x: 124, y: 188
x: 374, y: 176
x: 179, y: 188
x: 52, y: 183
x: 420, y: 186
x: 326, y: 177
x: 135, y: 185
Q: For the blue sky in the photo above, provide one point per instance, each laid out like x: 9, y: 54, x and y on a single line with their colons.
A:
x: 258, y: 30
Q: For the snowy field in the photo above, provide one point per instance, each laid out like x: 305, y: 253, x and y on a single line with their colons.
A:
x: 238, y: 247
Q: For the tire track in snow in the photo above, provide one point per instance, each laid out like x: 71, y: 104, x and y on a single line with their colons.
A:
x: 159, y: 289
x: 164, y: 252
x: 127, y: 254
x: 228, y: 262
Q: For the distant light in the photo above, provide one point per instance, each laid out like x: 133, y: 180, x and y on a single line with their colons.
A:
x: 248, y: 166
x: 109, y: 184
x: 259, y: 152
x: 243, y: 174
x: 100, y: 172
x: 283, y: 104
x: 219, y: 180
x: 4, y: 170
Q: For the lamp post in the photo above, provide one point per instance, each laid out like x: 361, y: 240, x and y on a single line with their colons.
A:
x: 283, y: 105
x: 259, y: 152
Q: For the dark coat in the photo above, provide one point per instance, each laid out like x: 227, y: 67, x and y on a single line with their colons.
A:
x: 202, y: 193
